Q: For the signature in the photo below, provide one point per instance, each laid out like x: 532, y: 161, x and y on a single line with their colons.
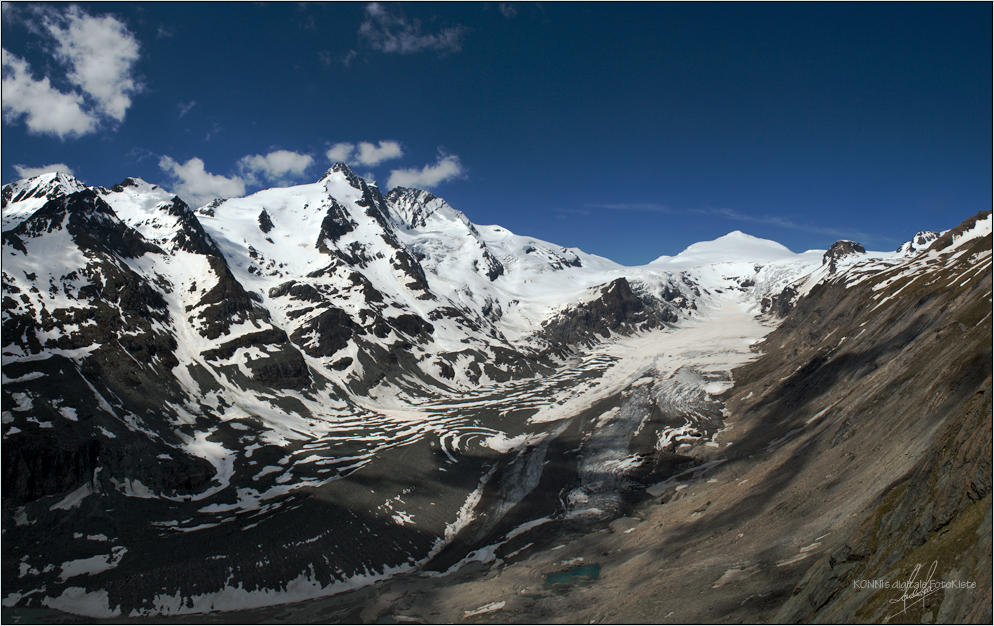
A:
x: 915, y: 591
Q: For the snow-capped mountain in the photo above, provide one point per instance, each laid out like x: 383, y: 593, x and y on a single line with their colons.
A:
x: 919, y: 242
x: 308, y: 368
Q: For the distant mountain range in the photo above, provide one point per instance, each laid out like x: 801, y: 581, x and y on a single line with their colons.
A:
x: 279, y: 397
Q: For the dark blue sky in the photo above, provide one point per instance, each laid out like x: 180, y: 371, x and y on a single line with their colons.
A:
x: 628, y: 130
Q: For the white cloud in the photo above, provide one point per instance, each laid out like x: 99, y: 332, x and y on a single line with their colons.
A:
x: 197, y: 186
x: 46, y: 110
x: 279, y: 166
x: 368, y: 154
x: 96, y: 55
x: 372, y: 155
x: 396, y: 34
x: 100, y: 53
x: 30, y: 172
x: 447, y: 168
x: 507, y: 9
x: 340, y: 152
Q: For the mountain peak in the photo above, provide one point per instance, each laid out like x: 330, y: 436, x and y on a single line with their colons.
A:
x: 31, y: 194
x: 56, y: 177
x: 735, y: 246
x: 919, y: 242
x: 342, y: 168
x: 133, y: 181
x: 48, y: 185
x: 840, y: 250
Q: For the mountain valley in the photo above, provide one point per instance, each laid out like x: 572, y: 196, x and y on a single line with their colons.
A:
x: 325, y: 404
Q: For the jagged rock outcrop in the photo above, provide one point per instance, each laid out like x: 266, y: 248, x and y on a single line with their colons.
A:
x: 614, y: 309
x: 841, y: 250
x: 416, y: 209
x: 919, y: 242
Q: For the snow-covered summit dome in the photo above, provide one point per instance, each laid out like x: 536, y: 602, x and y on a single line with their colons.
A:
x: 735, y: 246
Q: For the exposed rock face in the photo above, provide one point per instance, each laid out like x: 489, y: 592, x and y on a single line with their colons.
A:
x: 190, y: 234
x: 331, y: 330
x: 951, y: 236
x: 265, y: 222
x: 841, y: 250
x: 336, y: 224
x: 919, y: 242
x: 614, y: 309
x: 416, y: 209
x: 780, y: 304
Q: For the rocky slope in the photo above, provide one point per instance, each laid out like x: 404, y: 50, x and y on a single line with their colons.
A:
x: 918, y: 376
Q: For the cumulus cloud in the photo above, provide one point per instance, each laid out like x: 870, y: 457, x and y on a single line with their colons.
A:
x: 390, y: 33
x: 446, y: 168
x: 100, y: 53
x: 365, y: 153
x: 340, y: 152
x: 95, y: 55
x: 198, y: 186
x: 278, y: 167
x: 46, y: 110
x: 507, y: 9
x: 23, y: 171
x: 374, y: 155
